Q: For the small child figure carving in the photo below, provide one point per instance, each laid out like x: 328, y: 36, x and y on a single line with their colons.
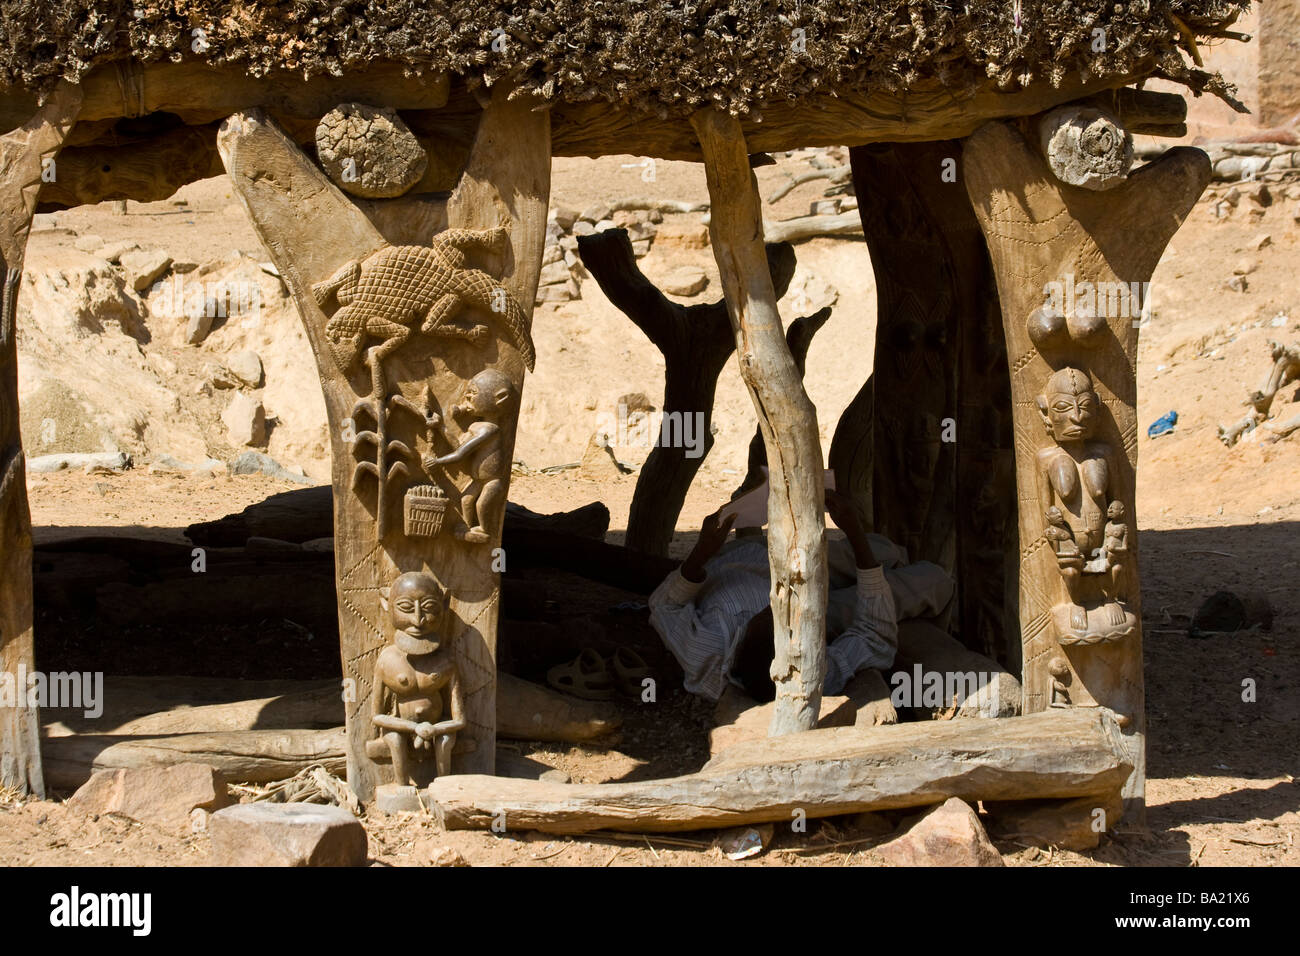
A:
x: 490, y: 398
x: 1116, y: 546
x: 411, y: 676
x: 1070, y: 561
x: 1059, y: 671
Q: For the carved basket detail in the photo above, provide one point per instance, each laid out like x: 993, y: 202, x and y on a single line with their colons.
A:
x: 425, y: 511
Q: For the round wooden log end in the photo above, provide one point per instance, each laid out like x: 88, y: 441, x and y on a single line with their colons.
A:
x: 369, y: 152
x: 1086, y: 147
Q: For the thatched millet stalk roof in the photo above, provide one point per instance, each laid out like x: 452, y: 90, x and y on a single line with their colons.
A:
x: 668, y: 58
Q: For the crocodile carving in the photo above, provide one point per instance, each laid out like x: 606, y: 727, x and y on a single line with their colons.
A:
x: 399, y: 289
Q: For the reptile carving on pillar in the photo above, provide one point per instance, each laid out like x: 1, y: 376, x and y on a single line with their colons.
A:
x: 399, y: 290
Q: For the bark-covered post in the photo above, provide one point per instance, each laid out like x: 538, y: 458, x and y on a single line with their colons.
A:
x: 796, y: 537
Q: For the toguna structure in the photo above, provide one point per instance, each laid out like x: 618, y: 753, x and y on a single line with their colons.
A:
x: 993, y: 163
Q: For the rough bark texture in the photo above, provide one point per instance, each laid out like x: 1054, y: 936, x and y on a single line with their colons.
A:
x: 23, y: 155
x: 1041, y: 234
x: 822, y: 773
x: 798, y: 337
x: 796, y: 530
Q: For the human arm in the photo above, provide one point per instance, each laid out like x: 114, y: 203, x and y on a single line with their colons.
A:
x: 456, y: 705
x: 871, y: 640
x: 465, y: 449
x: 713, y: 535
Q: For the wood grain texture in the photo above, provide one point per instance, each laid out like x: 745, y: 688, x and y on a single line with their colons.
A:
x: 940, y: 387
x: 1040, y: 231
x: 23, y: 154
x: 796, y: 534
x: 245, y: 756
x: 312, y: 230
x: 838, y: 770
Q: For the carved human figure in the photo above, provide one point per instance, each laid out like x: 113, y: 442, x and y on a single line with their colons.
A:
x: 1075, y: 474
x: 1116, y: 546
x: 1059, y: 671
x: 490, y: 398
x: 1077, y: 469
x: 413, y: 675
x: 1069, y: 560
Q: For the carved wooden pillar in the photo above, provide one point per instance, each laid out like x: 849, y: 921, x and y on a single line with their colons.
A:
x: 796, y: 537
x: 1072, y: 266
x: 421, y: 350
x: 25, y: 155
x: 941, y: 480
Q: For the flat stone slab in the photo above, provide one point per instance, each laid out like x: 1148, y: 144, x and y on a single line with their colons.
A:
x: 286, y: 834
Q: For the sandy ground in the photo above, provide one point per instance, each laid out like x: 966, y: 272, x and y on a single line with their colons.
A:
x: 1221, y: 786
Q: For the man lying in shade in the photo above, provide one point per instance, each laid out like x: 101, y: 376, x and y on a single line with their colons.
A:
x: 714, y: 612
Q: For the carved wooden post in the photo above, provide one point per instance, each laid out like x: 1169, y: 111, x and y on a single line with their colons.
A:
x: 422, y: 361
x: 25, y: 154
x: 1072, y: 268
x: 796, y: 537
x: 942, y: 482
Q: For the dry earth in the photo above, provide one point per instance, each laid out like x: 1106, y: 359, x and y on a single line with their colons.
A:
x: 1221, y: 784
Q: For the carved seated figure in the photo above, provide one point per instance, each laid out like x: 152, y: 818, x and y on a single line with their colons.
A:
x: 490, y: 399
x: 412, y: 676
x: 1075, y: 490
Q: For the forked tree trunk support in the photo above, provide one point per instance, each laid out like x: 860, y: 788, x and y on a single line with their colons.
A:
x: 696, y: 341
x: 25, y: 155
x: 796, y: 537
x: 1071, y: 267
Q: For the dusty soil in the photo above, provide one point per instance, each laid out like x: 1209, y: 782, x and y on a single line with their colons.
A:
x: 1221, y: 775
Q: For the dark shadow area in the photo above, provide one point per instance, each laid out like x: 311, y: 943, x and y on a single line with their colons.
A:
x: 129, y: 602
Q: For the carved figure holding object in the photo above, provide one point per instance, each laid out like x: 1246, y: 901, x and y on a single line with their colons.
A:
x: 1069, y: 561
x: 401, y: 289
x: 1077, y: 469
x: 490, y: 397
x: 412, y: 675
x: 1075, y: 486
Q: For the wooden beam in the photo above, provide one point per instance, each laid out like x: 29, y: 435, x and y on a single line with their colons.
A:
x: 246, y: 756
x: 156, y: 706
x: 944, y: 478
x: 200, y: 93
x: 144, y: 171
x: 27, y: 155
x: 796, y: 528
x: 820, y: 773
x: 1072, y: 266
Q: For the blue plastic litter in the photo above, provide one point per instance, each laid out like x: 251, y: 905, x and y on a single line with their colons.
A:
x: 1165, y: 423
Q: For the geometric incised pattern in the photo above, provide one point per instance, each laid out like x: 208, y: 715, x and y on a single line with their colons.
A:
x: 1038, y: 232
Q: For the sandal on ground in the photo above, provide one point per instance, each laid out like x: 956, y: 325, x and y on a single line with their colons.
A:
x: 629, y: 671
x: 585, y: 676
